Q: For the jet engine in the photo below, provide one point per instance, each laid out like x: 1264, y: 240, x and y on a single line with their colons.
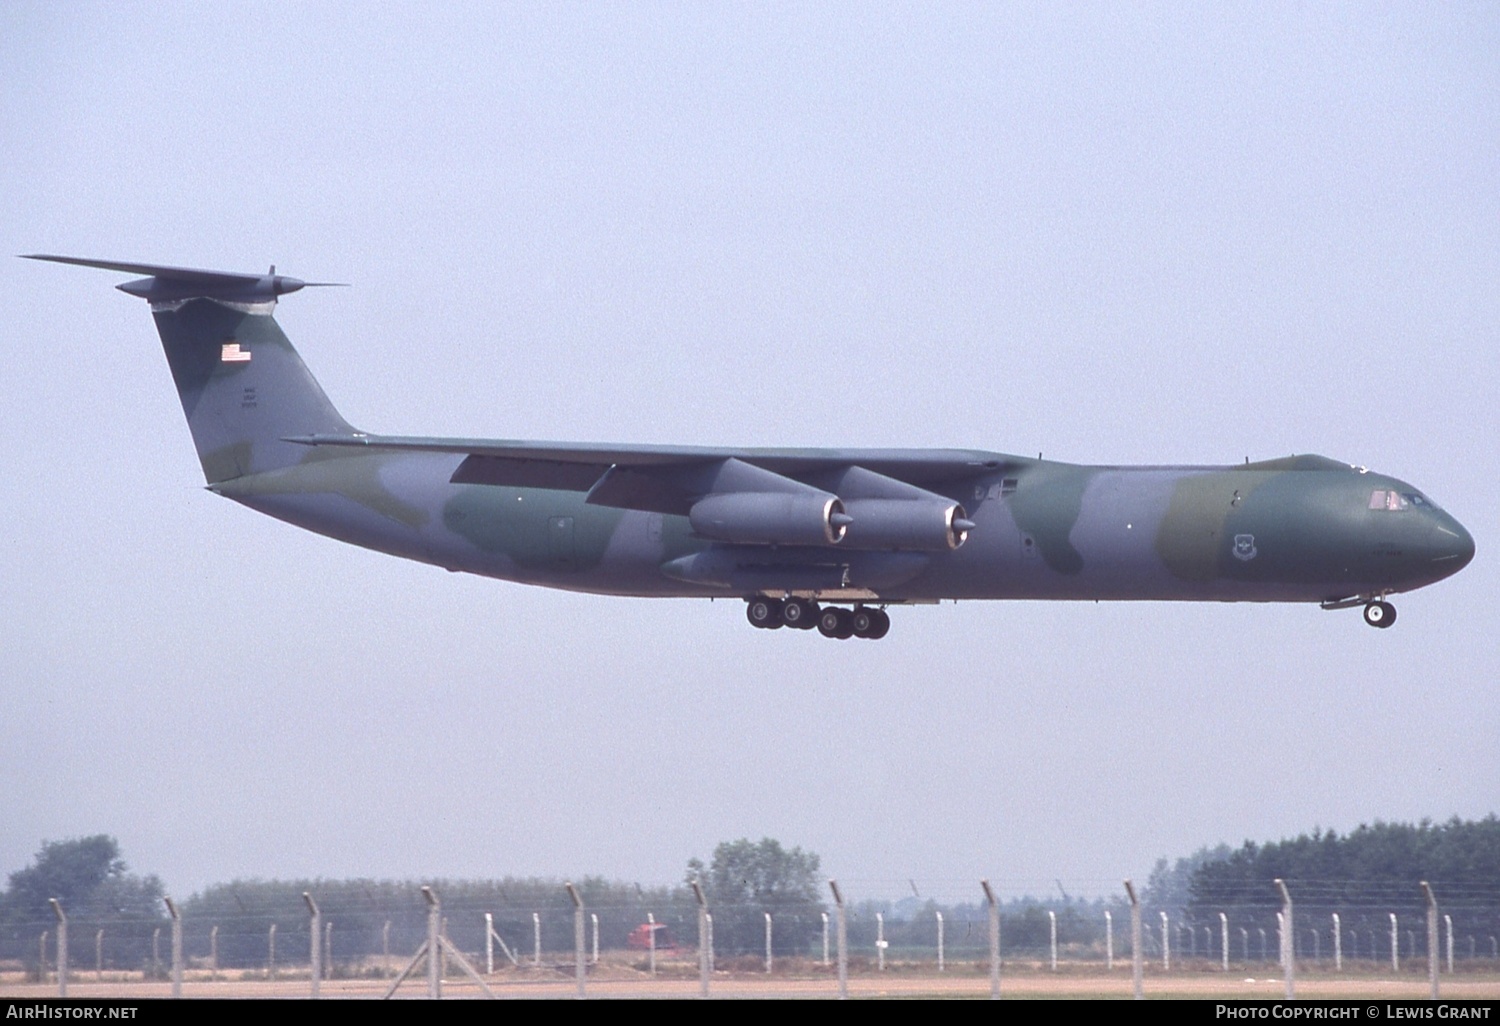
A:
x: 915, y: 525
x: 771, y: 518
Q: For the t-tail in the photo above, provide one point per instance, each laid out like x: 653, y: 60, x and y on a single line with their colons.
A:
x: 243, y: 387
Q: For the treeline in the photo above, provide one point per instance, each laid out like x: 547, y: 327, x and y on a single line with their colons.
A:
x: 1366, y: 875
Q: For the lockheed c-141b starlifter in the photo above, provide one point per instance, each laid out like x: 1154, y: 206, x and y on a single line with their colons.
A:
x: 825, y: 538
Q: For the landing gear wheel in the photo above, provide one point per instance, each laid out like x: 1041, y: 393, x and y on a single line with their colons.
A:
x: 799, y: 613
x: 764, y: 613
x: 834, y: 622
x: 871, y: 623
x: 1380, y: 614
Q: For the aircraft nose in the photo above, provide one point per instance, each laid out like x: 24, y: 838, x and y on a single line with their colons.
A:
x: 1452, y: 545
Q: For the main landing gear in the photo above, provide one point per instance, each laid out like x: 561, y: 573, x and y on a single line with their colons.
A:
x: 805, y: 614
x: 1380, y: 614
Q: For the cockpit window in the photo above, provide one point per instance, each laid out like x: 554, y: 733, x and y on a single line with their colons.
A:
x: 1396, y: 501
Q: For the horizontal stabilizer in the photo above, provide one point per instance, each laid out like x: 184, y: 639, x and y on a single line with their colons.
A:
x: 170, y: 284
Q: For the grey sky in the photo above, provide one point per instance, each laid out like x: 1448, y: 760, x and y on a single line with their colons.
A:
x: 1118, y: 234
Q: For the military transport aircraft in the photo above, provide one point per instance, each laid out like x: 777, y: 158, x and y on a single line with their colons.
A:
x: 825, y: 538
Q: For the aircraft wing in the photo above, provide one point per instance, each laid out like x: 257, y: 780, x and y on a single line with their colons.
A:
x: 671, y: 479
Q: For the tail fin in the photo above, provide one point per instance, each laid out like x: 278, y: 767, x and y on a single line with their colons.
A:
x: 242, y: 385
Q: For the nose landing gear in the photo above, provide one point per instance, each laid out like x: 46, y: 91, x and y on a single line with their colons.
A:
x: 1380, y: 614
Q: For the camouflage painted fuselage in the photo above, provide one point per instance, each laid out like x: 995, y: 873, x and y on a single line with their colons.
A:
x: 1300, y: 529
x: 863, y: 525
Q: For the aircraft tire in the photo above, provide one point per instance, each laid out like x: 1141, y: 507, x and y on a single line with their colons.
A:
x: 764, y: 613
x: 834, y: 622
x: 871, y: 623
x: 1380, y: 614
x: 799, y: 613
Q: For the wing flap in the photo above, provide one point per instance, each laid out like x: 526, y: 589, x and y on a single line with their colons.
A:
x: 525, y: 473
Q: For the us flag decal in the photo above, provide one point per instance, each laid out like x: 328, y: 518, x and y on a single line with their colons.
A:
x: 232, y: 353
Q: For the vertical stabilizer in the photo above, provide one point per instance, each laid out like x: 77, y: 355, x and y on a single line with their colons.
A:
x: 242, y: 385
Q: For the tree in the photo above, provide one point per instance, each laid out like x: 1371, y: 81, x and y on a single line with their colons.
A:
x: 1169, y: 888
x: 88, y: 876
x: 748, y: 879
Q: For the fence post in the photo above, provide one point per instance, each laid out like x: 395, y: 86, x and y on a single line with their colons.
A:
x: 1224, y: 940
x: 1448, y: 927
x: 62, y: 947
x: 1109, y: 940
x: 880, y: 941
x: 434, y: 943
x: 651, y: 939
x: 989, y: 896
x: 703, y: 941
x: 41, y: 954
x: 1135, y: 939
x: 1338, y: 945
x: 1432, y: 940
x: 941, y: 967
x: 825, y: 939
x: 843, y: 937
x: 176, y: 946
x: 1395, y: 946
x: 213, y: 952
x: 1052, y: 929
x: 315, y: 945
x: 1288, y: 939
x: 594, y: 919
x: 536, y: 939
x: 489, y: 943
x: 1166, y: 943
x: 271, y: 947
x: 99, y: 955
x: 768, y: 943
x: 579, y: 967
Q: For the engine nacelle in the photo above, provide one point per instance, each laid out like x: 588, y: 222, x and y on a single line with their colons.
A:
x: 771, y: 518
x: 915, y: 525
